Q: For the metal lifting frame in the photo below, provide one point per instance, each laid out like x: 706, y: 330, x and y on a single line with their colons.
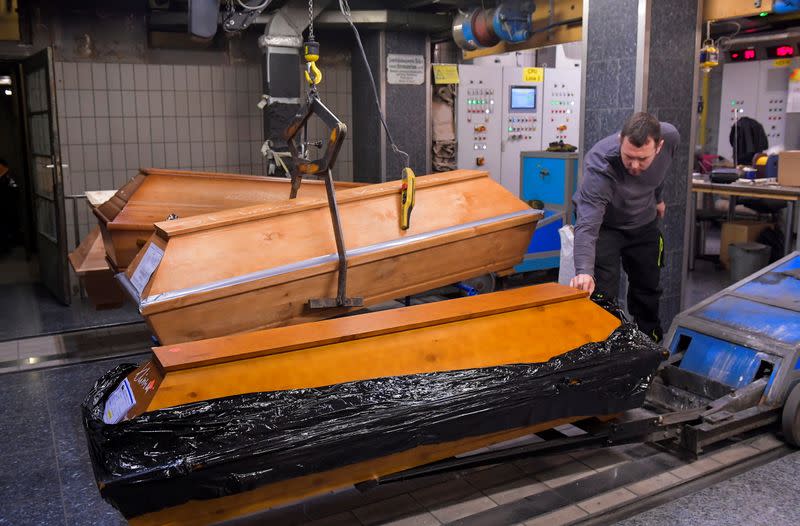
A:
x: 322, y: 166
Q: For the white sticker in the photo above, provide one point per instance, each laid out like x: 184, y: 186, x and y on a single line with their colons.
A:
x: 405, y: 69
x: 119, y: 403
x: 146, y: 267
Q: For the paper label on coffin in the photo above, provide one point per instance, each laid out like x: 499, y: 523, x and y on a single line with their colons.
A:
x: 146, y: 267
x: 119, y: 403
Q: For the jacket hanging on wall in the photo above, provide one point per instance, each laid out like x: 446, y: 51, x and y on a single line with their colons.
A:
x: 747, y: 138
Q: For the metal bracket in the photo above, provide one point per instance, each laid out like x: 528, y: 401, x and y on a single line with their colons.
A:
x: 336, y: 134
x: 341, y: 299
x: 240, y: 20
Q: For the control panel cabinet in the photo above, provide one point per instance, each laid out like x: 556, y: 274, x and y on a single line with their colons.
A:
x: 562, y: 106
x: 478, y: 119
x: 522, y: 121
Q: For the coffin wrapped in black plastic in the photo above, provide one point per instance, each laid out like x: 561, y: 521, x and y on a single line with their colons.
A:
x: 224, y: 446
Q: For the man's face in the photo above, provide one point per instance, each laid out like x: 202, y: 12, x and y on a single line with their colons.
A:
x: 637, y: 159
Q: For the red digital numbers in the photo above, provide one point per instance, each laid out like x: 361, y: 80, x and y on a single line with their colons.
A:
x: 741, y: 55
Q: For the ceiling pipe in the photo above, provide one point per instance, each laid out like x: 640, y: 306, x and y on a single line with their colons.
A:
x: 759, y: 39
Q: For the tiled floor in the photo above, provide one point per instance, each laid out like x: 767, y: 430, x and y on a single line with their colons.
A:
x: 72, y: 348
x: 45, y: 474
x: 28, y: 310
x: 517, y: 492
x: 765, y: 496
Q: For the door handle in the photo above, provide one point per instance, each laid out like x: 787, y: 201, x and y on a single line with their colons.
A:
x: 53, y: 166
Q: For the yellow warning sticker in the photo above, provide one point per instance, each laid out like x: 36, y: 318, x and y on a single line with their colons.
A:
x: 445, y: 74
x: 533, y: 74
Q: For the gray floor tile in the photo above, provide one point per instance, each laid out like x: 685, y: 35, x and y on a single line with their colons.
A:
x: 24, y: 419
x: 30, y: 490
x: 387, y: 511
x: 446, y: 492
x: 764, y: 496
x: 9, y: 350
x: 494, y: 476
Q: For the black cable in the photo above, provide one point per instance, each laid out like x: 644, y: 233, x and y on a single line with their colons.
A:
x: 345, y: 9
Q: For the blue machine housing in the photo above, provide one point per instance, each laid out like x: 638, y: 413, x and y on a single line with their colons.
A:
x: 549, y: 178
x: 750, y: 330
x: 512, y: 20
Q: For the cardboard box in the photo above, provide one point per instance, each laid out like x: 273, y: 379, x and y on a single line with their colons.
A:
x: 739, y: 232
x: 789, y: 168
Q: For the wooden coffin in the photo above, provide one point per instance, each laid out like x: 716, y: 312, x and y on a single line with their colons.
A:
x: 528, y: 325
x: 89, y: 263
x: 127, y: 218
x: 257, y: 267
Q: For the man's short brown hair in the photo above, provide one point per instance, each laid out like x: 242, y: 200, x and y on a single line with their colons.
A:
x: 640, y: 127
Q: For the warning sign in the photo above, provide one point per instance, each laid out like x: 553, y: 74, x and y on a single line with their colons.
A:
x: 405, y: 69
x: 445, y: 74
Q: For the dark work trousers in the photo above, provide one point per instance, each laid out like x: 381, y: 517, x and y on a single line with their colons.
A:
x: 641, y: 251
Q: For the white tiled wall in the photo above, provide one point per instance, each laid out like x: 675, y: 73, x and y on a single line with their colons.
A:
x: 115, y: 118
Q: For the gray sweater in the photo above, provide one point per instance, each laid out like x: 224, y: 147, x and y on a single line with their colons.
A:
x: 609, y: 196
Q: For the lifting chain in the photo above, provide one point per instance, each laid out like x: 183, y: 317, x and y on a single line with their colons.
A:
x: 311, y: 20
x: 311, y: 52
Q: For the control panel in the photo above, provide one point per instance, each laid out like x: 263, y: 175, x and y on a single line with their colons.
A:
x: 522, y: 120
x: 773, y: 93
x: 760, y: 90
x: 740, y: 98
x: 479, y: 118
x: 562, y: 106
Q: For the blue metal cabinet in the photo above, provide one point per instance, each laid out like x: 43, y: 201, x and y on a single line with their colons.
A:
x: 550, y: 178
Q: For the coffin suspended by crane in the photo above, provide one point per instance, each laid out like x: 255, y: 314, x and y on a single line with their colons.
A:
x: 263, y: 266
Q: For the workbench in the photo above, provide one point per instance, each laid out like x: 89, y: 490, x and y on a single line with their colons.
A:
x: 789, y: 194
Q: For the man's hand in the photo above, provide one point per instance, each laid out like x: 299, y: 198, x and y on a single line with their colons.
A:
x: 583, y: 282
x: 661, y: 208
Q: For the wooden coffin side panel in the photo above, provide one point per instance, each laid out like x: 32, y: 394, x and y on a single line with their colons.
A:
x: 293, y: 338
x: 531, y: 335
x: 288, y: 235
x: 285, y: 301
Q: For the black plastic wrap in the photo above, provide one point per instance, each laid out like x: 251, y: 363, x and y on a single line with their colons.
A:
x: 224, y: 446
